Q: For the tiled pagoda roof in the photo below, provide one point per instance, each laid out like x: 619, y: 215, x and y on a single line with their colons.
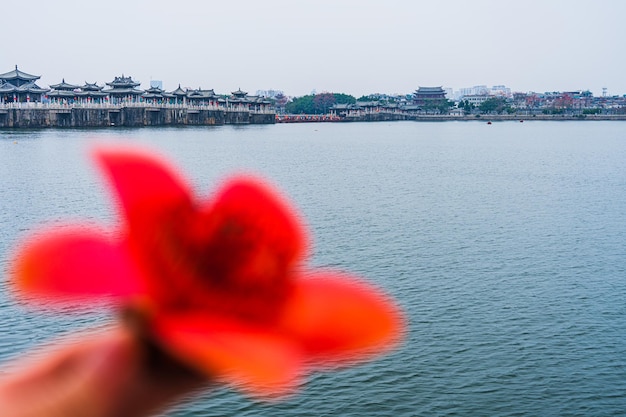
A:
x: 16, y: 74
x: 199, y: 93
x: 123, y: 86
x: 156, y: 92
x: 179, y: 92
x: 64, y: 86
x: 7, y: 88
x: 91, y: 87
x: 429, y: 90
x: 30, y: 87
x: 123, y: 82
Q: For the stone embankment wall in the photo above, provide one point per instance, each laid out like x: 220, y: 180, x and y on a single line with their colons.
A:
x: 126, y: 116
x: 375, y: 117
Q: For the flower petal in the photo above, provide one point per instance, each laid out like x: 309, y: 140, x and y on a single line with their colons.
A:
x: 257, y: 359
x: 144, y: 183
x: 74, y: 262
x: 253, y: 236
x: 338, y: 318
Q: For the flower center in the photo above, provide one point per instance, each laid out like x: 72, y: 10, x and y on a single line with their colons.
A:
x: 221, y: 264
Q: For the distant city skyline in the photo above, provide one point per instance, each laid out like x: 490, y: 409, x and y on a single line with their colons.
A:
x: 452, y: 93
x: 353, y: 47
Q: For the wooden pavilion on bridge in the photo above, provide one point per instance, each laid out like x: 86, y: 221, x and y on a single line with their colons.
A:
x: 123, y: 90
x: 19, y: 86
x: 65, y: 93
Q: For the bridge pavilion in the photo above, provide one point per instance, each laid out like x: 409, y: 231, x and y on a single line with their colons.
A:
x: 19, y: 86
x: 123, y: 90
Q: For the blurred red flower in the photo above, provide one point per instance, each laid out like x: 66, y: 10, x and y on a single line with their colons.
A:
x: 218, y: 283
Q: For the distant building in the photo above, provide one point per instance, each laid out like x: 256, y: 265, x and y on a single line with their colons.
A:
x: 477, y: 90
x: 429, y: 96
x: 123, y: 90
x: 200, y: 97
x: 180, y: 96
x: 63, y: 92
x: 476, y: 100
x: 156, y: 95
x: 92, y: 93
x: 240, y: 100
x: 501, y: 91
x: 18, y: 86
x: 270, y: 93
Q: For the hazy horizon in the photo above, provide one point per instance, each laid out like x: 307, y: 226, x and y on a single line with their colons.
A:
x: 353, y: 47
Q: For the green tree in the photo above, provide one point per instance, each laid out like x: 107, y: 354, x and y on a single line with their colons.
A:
x: 318, y: 103
x: 437, y: 106
x: 493, y: 105
x: 466, y: 106
x: 445, y: 106
x: 300, y: 105
x: 341, y: 98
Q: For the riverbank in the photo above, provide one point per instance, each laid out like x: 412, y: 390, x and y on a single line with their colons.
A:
x: 127, y: 116
x: 38, y: 116
x: 386, y: 117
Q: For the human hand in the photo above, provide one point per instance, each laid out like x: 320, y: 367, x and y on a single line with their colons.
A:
x: 112, y: 374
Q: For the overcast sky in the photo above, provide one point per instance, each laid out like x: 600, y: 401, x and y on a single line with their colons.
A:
x: 351, y: 46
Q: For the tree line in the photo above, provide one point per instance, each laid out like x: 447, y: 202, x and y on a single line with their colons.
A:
x: 317, y: 103
x: 323, y: 102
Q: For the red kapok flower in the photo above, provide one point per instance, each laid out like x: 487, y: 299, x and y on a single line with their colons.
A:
x: 218, y: 283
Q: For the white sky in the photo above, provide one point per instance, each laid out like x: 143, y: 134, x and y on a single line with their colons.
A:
x: 349, y: 46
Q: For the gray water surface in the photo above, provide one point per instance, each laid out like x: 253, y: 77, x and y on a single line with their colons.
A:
x: 505, y: 244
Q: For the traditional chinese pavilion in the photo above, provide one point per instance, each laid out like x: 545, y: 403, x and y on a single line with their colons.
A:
x: 156, y: 95
x: 92, y: 93
x: 18, y: 86
x: 259, y: 104
x: 123, y: 90
x: 66, y: 93
x: 180, y: 95
x: 429, y: 95
x: 63, y: 92
x: 239, y: 99
x: 239, y: 95
x: 203, y: 97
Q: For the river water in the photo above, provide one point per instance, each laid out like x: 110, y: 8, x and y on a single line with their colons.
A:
x: 505, y: 244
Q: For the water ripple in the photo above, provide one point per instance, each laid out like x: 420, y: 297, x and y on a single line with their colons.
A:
x: 504, y: 246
